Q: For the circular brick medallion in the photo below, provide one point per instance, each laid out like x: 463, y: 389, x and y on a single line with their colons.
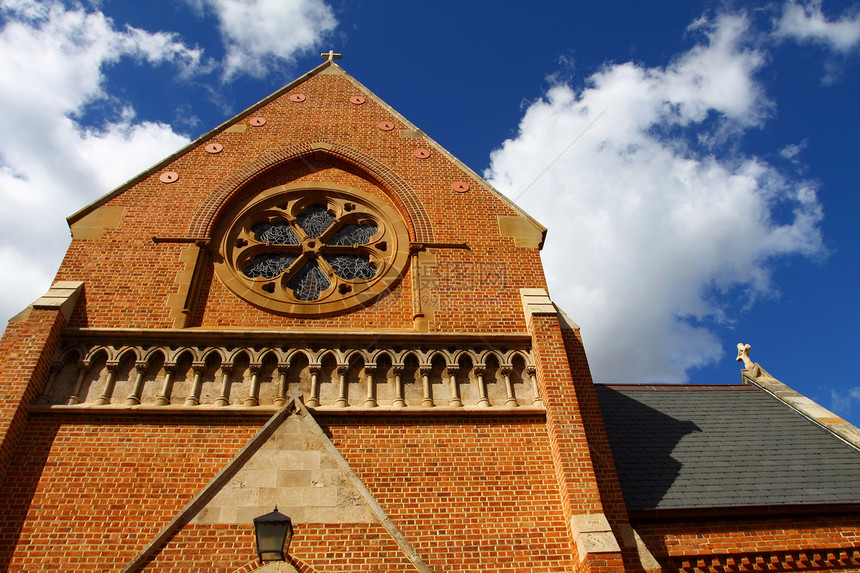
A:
x: 257, y: 121
x: 357, y: 100
x: 460, y: 186
x: 169, y: 177
x: 298, y: 98
x: 386, y: 125
x: 421, y: 153
x: 214, y: 148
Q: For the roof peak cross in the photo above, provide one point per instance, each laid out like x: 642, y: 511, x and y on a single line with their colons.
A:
x: 331, y: 55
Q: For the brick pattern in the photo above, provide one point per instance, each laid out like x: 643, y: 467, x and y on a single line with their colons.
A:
x: 747, y: 545
x: 131, y: 279
x: 314, y: 548
x: 470, y: 495
x: 27, y: 348
x: 203, y: 220
x: 574, y: 470
x: 611, y: 496
x: 85, y: 495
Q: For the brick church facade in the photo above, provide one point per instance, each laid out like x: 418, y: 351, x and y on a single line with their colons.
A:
x: 316, y: 306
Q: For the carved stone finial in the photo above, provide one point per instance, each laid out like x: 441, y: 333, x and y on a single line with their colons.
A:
x: 744, y: 355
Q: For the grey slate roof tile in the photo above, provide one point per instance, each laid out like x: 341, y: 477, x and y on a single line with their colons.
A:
x: 721, y: 447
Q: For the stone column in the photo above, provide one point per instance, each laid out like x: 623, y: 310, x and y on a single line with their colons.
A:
x: 455, y: 401
x: 83, y: 368
x: 398, y: 402
x: 342, y: 398
x: 197, y: 385
x: 105, y: 396
x: 425, y: 370
x: 280, y: 399
x: 506, y: 370
x: 480, y: 370
x: 314, y: 399
x: 134, y: 398
x: 370, y: 400
x: 163, y: 399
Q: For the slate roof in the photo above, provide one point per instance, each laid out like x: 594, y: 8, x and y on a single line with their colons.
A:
x: 696, y: 447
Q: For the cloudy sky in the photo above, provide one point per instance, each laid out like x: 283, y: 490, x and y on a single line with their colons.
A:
x: 696, y: 165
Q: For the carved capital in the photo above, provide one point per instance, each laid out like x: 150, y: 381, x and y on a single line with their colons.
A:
x: 531, y: 370
x: 283, y: 367
x: 479, y: 369
x: 506, y: 369
x: 453, y: 369
x: 255, y: 368
x: 112, y: 366
x: 226, y: 368
x: 342, y: 368
x: 425, y: 369
x: 370, y: 368
x: 315, y: 368
x: 56, y: 366
x: 141, y: 366
x: 397, y: 369
x: 198, y: 367
x: 170, y: 367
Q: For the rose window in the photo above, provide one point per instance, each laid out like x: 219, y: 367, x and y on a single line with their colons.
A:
x: 313, y: 251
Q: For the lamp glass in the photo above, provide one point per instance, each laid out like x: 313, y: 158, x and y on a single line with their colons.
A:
x: 274, y: 532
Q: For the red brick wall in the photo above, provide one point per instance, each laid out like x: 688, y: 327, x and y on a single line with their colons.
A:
x: 26, y: 351
x: 129, y: 278
x: 755, y: 544
x: 574, y: 468
x: 315, y: 549
x: 482, y: 494
x: 472, y: 495
x: 87, y: 493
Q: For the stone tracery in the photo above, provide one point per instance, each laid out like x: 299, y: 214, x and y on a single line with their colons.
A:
x: 312, y: 250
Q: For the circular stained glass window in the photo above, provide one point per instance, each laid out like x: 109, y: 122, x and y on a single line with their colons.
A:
x: 313, y: 251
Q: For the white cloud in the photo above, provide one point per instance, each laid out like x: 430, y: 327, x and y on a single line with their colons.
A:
x: 52, y: 62
x: 258, y: 33
x: 653, y: 225
x: 843, y: 404
x: 805, y: 22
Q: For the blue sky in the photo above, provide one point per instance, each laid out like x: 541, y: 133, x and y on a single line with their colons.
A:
x: 695, y: 163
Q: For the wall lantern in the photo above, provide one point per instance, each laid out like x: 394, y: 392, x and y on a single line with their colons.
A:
x: 274, y: 532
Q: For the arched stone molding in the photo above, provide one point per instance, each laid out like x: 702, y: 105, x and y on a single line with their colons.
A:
x: 333, y: 376
x: 204, y: 220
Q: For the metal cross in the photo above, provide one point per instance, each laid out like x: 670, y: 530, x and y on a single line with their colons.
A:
x: 331, y: 55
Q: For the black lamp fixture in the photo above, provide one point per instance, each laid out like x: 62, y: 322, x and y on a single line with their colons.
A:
x: 274, y: 532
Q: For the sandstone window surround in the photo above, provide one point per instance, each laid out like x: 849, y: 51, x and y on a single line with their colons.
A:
x: 312, y: 249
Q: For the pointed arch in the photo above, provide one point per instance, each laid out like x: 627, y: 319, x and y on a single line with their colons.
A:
x: 204, y: 220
